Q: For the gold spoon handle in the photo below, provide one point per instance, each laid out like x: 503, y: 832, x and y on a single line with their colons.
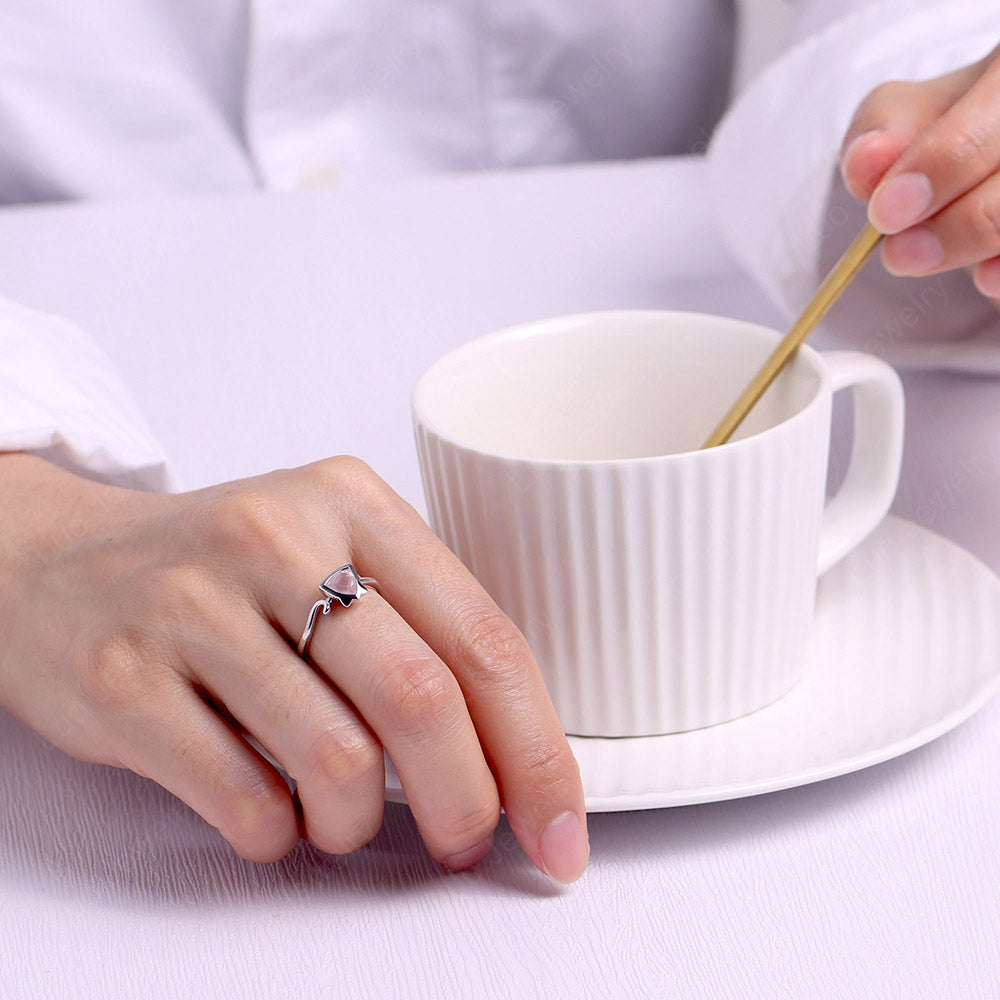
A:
x: 833, y: 284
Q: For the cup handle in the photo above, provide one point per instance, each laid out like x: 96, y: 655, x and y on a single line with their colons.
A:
x: 876, y: 453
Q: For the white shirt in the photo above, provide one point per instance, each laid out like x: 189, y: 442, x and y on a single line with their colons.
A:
x: 799, y: 218
x: 128, y: 98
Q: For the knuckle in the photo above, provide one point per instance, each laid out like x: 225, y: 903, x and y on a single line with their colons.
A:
x: 985, y: 221
x: 474, y: 824
x: 417, y: 695
x: 114, y: 675
x: 368, y: 495
x: 346, y: 475
x: 350, y: 469
x: 251, y: 521
x: 883, y: 97
x: 254, y: 813
x: 547, y: 767
x: 490, y: 646
x: 968, y: 146
x: 353, y: 831
x: 344, y: 760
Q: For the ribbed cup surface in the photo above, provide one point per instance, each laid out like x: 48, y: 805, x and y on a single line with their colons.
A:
x: 660, y: 594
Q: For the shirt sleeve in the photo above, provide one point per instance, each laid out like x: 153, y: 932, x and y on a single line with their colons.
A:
x: 785, y: 214
x: 61, y: 398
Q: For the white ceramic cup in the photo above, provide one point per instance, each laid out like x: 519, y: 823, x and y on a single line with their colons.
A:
x: 661, y: 587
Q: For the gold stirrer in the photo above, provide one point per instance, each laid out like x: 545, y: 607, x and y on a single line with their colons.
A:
x: 833, y: 284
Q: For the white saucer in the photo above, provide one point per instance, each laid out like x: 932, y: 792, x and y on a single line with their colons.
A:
x: 906, y: 645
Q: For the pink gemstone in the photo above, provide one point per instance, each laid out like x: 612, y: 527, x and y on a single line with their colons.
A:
x: 344, y: 582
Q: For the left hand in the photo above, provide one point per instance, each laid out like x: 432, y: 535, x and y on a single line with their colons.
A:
x: 158, y: 633
x: 926, y: 158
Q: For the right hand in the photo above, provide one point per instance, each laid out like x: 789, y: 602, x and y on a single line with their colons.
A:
x: 926, y: 157
x: 154, y: 632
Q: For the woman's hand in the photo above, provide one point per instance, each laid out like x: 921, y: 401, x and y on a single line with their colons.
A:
x: 154, y: 632
x: 926, y: 157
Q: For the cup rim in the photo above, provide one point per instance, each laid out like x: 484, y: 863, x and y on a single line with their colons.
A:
x: 539, y: 326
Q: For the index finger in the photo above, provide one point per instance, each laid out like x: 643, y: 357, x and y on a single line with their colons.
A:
x: 537, y: 776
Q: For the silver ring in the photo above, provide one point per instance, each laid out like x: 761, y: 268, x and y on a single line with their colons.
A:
x: 343, y: 585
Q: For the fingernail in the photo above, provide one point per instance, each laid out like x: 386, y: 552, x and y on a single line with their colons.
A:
x: 564, y: 848
x: 900, y: 202
x: 858, y: 141
x: 913, y: 252
x: 467, y: 859
x: 860, y: 185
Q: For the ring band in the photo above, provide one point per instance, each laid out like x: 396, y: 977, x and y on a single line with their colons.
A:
x: 343, y: 585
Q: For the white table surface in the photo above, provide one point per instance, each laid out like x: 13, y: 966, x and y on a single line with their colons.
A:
x: 238, y: 321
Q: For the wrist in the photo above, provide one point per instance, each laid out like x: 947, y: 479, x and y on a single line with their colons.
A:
x: 45, y: 510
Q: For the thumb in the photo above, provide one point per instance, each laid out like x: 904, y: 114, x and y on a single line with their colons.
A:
x: 890, y: 118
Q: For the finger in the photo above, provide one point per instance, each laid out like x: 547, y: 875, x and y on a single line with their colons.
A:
x: 963, y: 234
x: 951, y: 154
x: 188, y: 749
x: 886, y: 123
x: 538, y: 777
x: 867, y: 156
x: 415, y: 707
x: 305, y: 724
x: 986, y: 276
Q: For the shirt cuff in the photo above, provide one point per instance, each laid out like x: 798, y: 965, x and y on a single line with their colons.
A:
x: 60, y: 398
x: 784, y: 213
